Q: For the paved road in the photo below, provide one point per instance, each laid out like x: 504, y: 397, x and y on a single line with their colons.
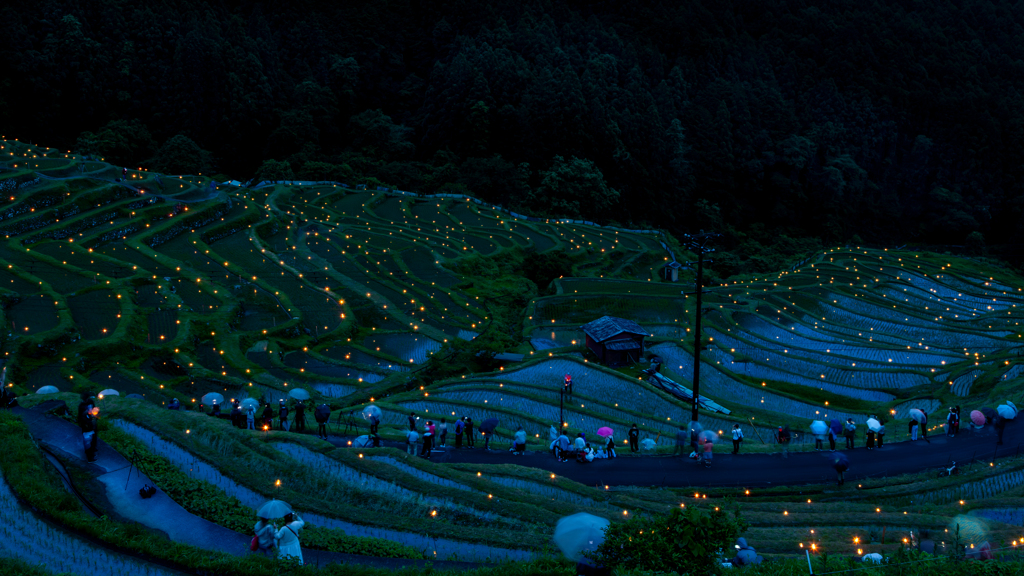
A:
x: 751, y: 470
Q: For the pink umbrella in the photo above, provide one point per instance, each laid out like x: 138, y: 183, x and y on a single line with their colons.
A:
x: 605, y: 431
x: 978, y: 418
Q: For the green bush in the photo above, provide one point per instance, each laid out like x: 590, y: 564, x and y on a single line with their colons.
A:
x: 685, y: 541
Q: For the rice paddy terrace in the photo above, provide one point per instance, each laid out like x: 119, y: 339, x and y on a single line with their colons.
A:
x: 167, y: 287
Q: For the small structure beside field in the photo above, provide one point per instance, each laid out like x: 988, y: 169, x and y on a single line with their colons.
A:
x: 615, y: 341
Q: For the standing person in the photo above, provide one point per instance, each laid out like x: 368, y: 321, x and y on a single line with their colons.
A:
x: 783, y: 437
x: 322, y: 414
x: 411, y: 438
x: 610, y: 448
x: 834, y: 429
x: 90, y: 433
x: 1000, y: 425
x: 470, y: 440
x: 881, y: 436
x: 914, y: 426
x: 693, y: 442
x: 850, y: 432
x: 267, y: 536
x: 459, y: 426
x: 428, y: 439
x: 268, y: 416
x: 250, y: 418
x: 412, y: 420
x: 300, y: 416
x: 215, y: 411
x: 236, y: 414
x: 519, y: 442
x: 682, y: 436
x: 709, y: 452
x: 444, y: 433
x: 282, y: 413
x: 950, y: 418
x: 568, y: 384
x: 374, y: 423
x: 634, y: 439
x: 287, y: 538
x: 737, y: 437
x: 956, y: 422
x: 871, y: 439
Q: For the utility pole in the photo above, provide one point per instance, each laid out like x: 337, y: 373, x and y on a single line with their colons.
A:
x: 699, y: 244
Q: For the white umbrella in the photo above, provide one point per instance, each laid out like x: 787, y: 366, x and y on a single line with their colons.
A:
x: 919, y: 416
x: 1007, y: 411
x: 47, y: 390
x: 874, y: 425
x: 819, y: 428
x: 245, y: 404
x: 274, y: 509
x: 211, y: 398
x: 108, y: 392
x: 299, y: 394
x: 371, y: 410
x: 579, y: 533
x: 707, y: 436
x: 647, y: 444
x: 363, y: 441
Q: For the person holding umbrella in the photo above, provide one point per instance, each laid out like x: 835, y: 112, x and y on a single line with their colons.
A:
x: 581, y: 533
x: 607, y: 433
x: 487, y: 430
x: 834, y: 430
x: 287, y: 538
x: 634, y: 439
x: 819, y: 429
x: 250, y: 418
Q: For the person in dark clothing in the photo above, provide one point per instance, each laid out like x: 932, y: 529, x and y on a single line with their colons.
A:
x: 841, y: 467
x: 322, y: 414
x: 871, y: 439
x: 374, y: 423
x: 568, y: 384
x: 470, y: 440
x: 926, y: 544
x: 282, y: 413
x: 1000, y: 425
x: 300, y: 417
x: 850, y: 432
x: 90, y: 433
x: 412, y: 421
x: 460, y: 426
x: 215, y: 411
x: 881, y: 436
x: 268, y: 416
x: 681, y: 436
x: 174, y: 405
x: 236, y: 415
x: 86, y: 405
x: 634, y: 439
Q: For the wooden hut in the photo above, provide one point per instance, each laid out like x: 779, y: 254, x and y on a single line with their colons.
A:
x: 615, y: 341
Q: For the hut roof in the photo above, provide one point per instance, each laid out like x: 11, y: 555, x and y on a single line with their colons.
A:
x: 609, y: 326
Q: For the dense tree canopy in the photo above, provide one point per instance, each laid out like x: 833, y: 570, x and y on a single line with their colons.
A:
x: 888, y: 121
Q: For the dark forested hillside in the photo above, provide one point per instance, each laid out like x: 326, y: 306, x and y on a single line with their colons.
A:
x: 884, y: 121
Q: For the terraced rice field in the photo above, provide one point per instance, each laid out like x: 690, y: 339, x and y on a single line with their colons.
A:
x: 350, y: 294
